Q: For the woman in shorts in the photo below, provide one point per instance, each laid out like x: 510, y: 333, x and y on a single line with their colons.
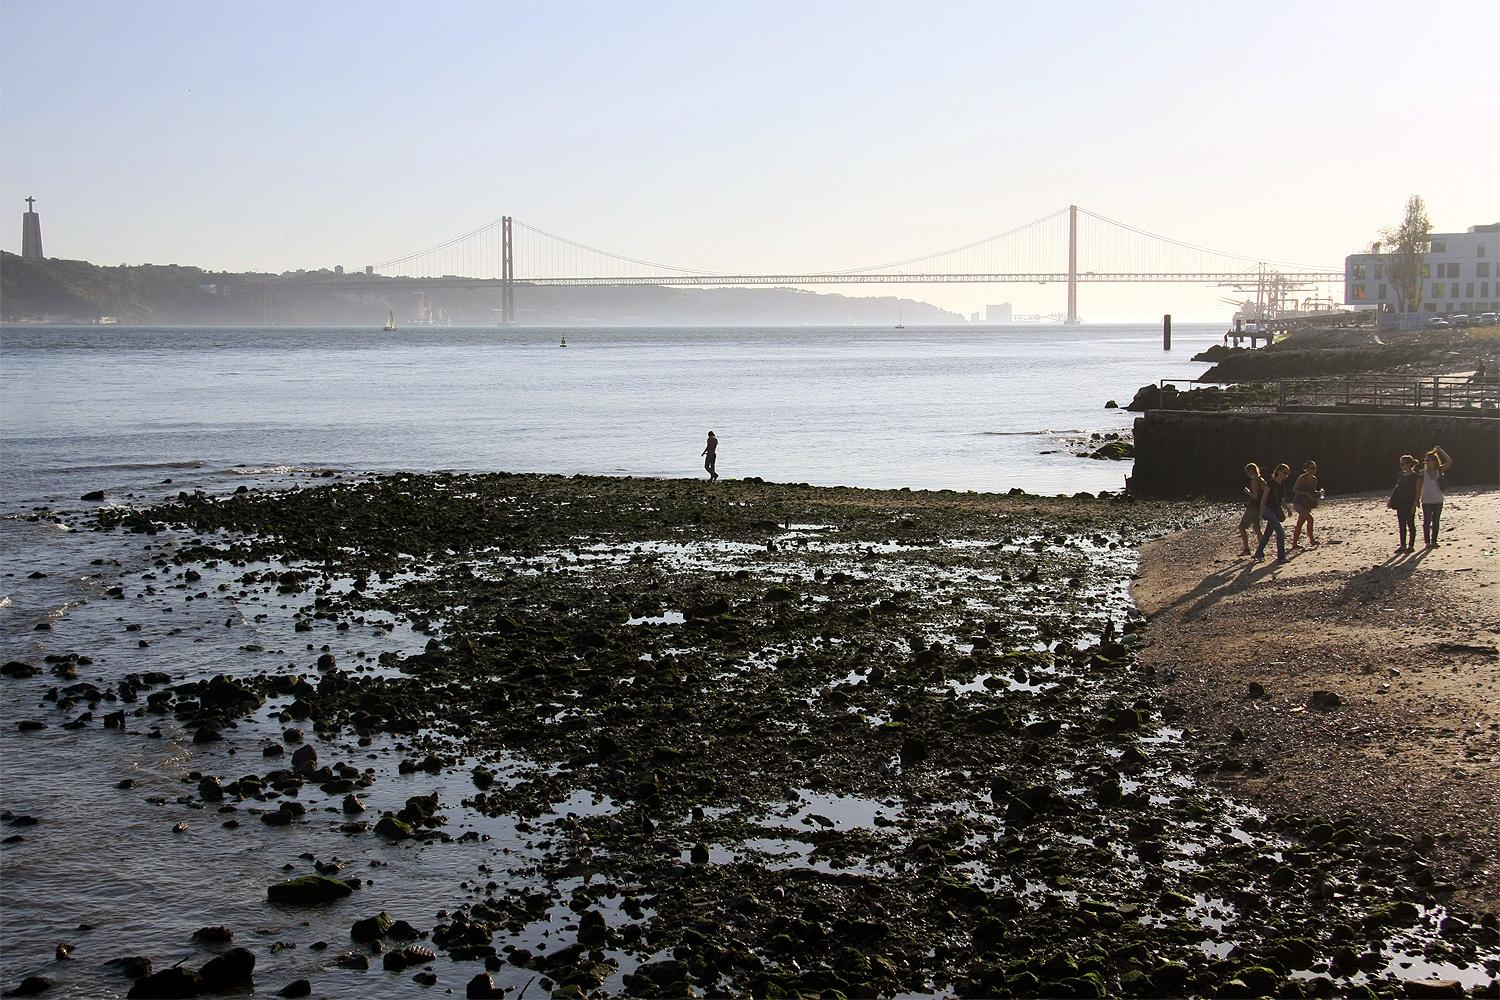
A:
x: 1251, y: 517
x: 1304, y: 499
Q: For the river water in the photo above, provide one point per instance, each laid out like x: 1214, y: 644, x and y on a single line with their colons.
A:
x: 933, y: 408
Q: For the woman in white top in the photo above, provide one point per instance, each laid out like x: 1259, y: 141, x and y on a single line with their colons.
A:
x: 1432, y: 493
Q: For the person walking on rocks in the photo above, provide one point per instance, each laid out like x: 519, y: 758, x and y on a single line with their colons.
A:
x: 1273, y: 510
x: 1404, y: 502
x: 1304, y: 499
x: 1434, y: 486
x: 1251, y: 517
x: 711, y: 455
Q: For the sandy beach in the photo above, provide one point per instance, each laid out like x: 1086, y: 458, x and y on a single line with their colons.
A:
x: 1407, y: 645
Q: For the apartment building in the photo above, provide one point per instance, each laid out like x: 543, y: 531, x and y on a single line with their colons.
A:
x: 1460, y: 274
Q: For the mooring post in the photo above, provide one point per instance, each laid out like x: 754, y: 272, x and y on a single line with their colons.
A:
x: 1166, y: 332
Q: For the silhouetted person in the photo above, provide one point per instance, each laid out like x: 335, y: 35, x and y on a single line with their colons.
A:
x: 711, y: 455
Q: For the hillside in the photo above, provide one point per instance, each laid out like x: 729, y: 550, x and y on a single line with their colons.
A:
x: 53, y: 290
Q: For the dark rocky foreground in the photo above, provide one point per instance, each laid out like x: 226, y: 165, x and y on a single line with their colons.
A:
x: 1005, y: 809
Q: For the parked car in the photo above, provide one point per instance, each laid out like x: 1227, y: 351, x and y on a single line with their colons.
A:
x: 1460, y: 319
x: 1436, y: 321
x: 1486, y: 319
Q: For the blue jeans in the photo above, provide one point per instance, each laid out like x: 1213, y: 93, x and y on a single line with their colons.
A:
x: 1273, y: 523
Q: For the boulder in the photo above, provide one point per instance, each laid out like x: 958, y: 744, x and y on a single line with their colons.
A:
x: 296, y: 988
x: 592, y: 928
x: 30, y: 987
x: 168, y: 984
x: 304, y: 760
x: 229, y: 969
x: 214, y: 935
x: 371, y: 928
x: 392, y: 828
x: 1433, y: 988
x: 482, y: 987
x: 307, y: 890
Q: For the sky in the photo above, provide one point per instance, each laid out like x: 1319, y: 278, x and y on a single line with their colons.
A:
x: 743, y: 137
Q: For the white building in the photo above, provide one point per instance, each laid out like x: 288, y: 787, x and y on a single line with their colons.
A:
x: 1460, y: 274
x: 997, y: 314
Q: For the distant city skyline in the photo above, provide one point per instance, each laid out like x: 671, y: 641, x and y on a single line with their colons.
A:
x: 737, y: 137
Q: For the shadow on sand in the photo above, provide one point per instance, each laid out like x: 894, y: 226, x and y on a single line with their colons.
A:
x: 1371, y: 583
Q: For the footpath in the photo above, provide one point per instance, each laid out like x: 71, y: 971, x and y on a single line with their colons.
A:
x: 1350, y: 680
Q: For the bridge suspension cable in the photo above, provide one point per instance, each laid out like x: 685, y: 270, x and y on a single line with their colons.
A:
x: 1072, y: 245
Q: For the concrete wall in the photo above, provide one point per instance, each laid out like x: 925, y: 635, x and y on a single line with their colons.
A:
x: 1179, y: 453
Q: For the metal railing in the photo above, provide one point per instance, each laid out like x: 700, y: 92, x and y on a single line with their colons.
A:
x: 1452, y: 394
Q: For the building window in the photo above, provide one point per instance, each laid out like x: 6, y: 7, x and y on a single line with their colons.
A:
x: 1426, y: 271
x: 1429, y: 307
x: 1481, y: 251
x: 1484, y: 288
x: 1439, y: 290
x: 1382, y: 293
x: 1469, y: 290
x: 1356, y: 293
x: 1453, y: 271
x: 1482, y: 270
x: 1357, y: 272
x: 1439, y: 246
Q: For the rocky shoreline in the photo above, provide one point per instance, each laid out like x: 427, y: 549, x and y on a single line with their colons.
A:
x: 761, y: 740
x: 1312, y: 353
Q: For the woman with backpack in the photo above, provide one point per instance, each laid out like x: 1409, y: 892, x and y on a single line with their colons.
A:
x: 1434, y: 486
x: 1251, y: 517
x: 1404, y: 502
x: 1304, y: 499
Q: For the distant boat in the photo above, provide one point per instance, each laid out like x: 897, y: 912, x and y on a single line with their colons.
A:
x: 390, y: 324
x: 901, y: 320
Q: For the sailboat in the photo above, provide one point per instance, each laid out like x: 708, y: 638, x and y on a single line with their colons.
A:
x: 390, y: 324
x: 901, y: 320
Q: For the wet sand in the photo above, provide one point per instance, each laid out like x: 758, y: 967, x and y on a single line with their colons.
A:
x: 1406, y: 643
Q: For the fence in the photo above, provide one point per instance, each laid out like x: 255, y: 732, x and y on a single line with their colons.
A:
x: 1446, y: 394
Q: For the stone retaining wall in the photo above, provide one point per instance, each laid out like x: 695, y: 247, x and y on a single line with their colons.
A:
x: 1179, y: 453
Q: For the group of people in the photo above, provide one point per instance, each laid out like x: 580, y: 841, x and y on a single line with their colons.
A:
x: 1268, y: 503
x: 1429, y: 486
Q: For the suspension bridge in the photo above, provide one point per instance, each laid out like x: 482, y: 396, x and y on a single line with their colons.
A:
x: 1071, y: 245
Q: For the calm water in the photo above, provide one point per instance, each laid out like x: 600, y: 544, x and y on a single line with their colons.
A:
x: 957, y: 408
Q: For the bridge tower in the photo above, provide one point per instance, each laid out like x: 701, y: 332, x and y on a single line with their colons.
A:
x: 1072, y: 319
x: 507, y: 274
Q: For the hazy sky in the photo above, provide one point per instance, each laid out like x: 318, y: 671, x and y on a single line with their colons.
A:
x: 742, y: 137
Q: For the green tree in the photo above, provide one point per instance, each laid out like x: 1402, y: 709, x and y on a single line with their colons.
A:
x: 1400, y: 252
